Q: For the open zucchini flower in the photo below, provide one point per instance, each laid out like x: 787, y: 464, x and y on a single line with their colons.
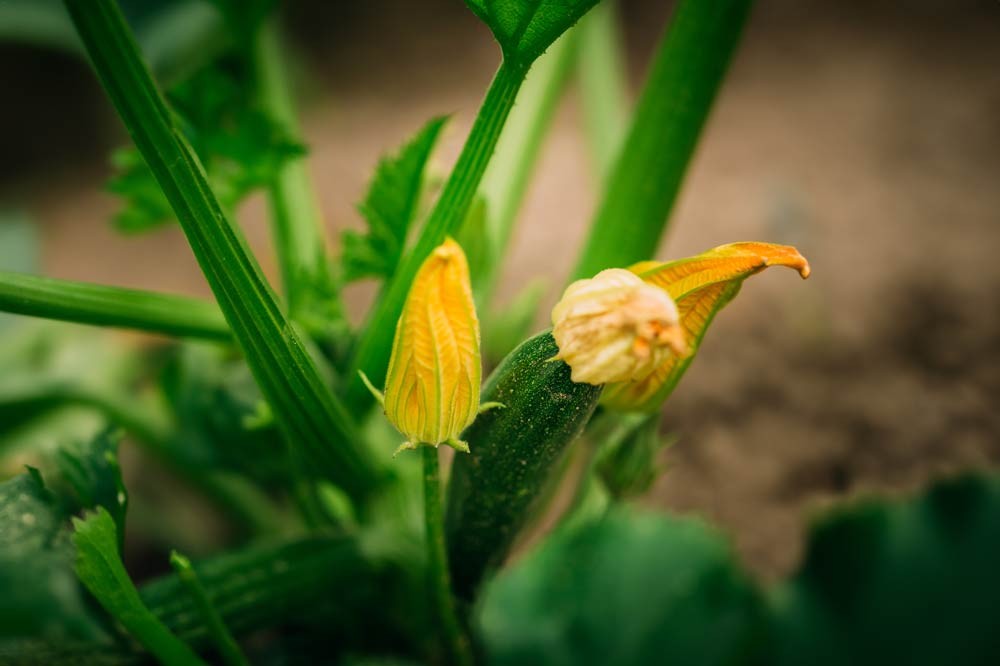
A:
x: 614, y: 328
x: 701, y: 286
x: 432, y: 385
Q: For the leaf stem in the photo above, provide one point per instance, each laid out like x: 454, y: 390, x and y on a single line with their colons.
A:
x: 686, y: 74
x: 226, y: 645
x: 308, y: 414
x: 603, y: 84
x: 372, y: 354
x: 296, y: 221
x: 505, y: 182
x: 86, y: 303
x: 457, y: 646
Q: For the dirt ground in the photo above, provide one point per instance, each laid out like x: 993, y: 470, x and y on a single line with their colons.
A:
x: 867, y: 137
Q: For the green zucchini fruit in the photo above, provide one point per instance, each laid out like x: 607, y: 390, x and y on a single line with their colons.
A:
x: 513, y: 449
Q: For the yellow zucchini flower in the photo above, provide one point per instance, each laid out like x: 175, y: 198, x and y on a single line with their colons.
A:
x: 432, y: 385
x: 614, y: 328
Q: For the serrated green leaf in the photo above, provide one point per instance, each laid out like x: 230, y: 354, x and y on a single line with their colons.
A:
x: 241, y: 147
x: 629, y: 589
x: 525, y: 28
x: 389, y: 208
x: 40, y: 596
x: 100, y: 569
x: 92, y: 470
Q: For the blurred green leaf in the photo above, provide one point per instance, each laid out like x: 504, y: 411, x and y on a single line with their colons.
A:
x: 40, y: 596
x: 100, y: 569
x: 222, y: 420
x: 389, y: 208
x: 240, y: 146
x: 913, y: 582
x: 629, y: 589
x: 91, y: 469
x: 525, y: 28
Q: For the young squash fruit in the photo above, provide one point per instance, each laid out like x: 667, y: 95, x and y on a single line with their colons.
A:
x: 512, y: 452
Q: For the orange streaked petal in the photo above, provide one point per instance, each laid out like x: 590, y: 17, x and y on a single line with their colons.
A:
x: 701, y: 286
x: 432, y: 385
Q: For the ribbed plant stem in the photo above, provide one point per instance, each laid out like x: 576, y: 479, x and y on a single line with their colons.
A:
x: 505, y: 182
x: 455, y: 642
x: 308, y: 414
x: 372, y: 354
x: 296, y: 221
x: 687, y: 70
x: 86, y: 303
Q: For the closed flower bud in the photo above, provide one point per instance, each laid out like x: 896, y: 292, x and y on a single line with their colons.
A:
x: 615, y: 328
x: 432, y: 385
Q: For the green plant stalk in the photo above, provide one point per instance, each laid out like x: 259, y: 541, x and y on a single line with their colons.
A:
x: 307, y: 412
x: 603, y: 84
x: 685, y: 77
x: 456, y: 643
x: 86, y: 303
x: 372, y: 353
x: 506, y: 180
x: 297, y: 224
x: 226, y: 645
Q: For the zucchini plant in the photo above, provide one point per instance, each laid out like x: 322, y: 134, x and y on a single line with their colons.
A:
x: 280, y: 418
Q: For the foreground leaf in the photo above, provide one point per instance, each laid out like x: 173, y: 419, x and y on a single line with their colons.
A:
x: 701, y: 286
x: 93, y: 472
x: 913, y: 582
x: 40, y: 597
x: 100, y: 569
x: 390, y: 207
x: 628, y: 589
x: 525, y: 28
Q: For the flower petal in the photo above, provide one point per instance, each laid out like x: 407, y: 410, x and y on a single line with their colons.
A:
x: 432, y: 385
x: 701, y: 286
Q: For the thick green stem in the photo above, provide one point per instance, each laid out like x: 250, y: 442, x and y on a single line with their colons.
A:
x: 296, y: 221
x: 372, y: 354
x: 456, y: 642
x: 307, y: 412
x: 85, y: 303
x: 506, y: 181
x: 686, y: 74
x: 603, y: 84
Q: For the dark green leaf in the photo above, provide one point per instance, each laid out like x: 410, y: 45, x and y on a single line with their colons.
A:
x: 628, y: 589
x: 92, y: 470
x: 912, y: 582
x: 217, y: 407
x: 100, y: 569
x: 40, y: 596
x: 389, y: 208
x: 525, y: 28
x: 241, y: 148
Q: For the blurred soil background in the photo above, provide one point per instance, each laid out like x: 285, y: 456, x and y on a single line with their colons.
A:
x: 867, y: 134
